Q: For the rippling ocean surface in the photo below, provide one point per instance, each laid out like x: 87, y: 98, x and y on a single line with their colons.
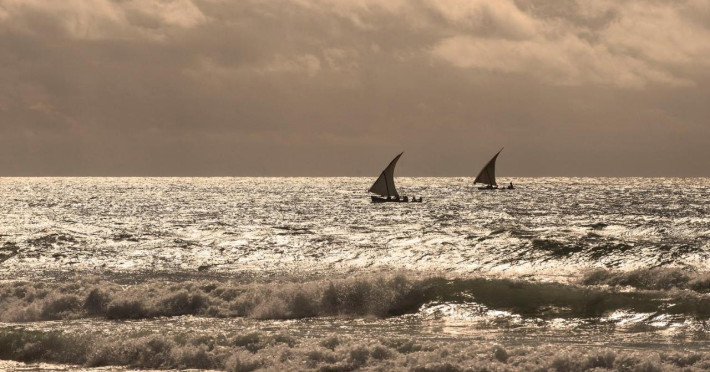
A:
x: 306, y: 274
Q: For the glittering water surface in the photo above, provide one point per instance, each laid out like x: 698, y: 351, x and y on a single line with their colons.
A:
x: 650, y: 238
x: 548, y: 226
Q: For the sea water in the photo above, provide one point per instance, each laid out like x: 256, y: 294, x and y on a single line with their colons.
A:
x: 306, y: 274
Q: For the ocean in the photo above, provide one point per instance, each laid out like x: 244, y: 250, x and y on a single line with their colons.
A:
x: 292, y: 274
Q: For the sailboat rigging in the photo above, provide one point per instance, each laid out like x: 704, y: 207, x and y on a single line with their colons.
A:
x: 384, y: 186
x: 487, y: 175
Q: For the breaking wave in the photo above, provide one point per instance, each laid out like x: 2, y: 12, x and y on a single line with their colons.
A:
x: 330, y: 352
x: 659, y: 278
x: 666, y: 291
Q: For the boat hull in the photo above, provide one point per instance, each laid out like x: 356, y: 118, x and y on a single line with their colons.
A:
x: 378, y: 199
x: 495, y: 188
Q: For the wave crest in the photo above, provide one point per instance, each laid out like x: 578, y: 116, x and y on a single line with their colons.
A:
x: 262, y: 350
x: 379, y: 296
x: 660, y: 278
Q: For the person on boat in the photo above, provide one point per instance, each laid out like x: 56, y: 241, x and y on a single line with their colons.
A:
x: 510, y: 187
x: 406, y: 199
x: 389, y: 197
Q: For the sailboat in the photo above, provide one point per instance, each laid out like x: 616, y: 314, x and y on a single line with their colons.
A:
x: 385, y: 188
x: 487, y: 176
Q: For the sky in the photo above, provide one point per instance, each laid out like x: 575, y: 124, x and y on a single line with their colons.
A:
x: 338, y: 88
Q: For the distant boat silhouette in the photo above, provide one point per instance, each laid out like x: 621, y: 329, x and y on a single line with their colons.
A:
x: 487, y: 176
x: 384, y: 186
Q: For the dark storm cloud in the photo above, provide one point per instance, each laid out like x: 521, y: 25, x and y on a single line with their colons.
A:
x: 327, y: 87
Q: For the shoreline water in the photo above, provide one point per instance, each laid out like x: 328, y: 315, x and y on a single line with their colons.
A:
x: 248, y: 274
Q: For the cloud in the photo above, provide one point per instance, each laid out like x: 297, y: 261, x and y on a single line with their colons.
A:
x: 566, y: 61
x: 645, y: 43
x: 628, y: 44
x: 199, y: 83
x: 488, y: 18
x: 307, y: 64
x: 99, y: 19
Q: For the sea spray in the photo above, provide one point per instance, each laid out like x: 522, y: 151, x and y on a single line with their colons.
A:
x: 266, y: 351
x: 358, y: 296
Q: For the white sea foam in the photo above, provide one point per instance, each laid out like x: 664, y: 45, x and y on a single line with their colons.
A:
x: 560, y: 261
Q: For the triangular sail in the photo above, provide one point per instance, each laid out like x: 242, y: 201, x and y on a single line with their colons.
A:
x: 384, y: 186
x: 487, y: 176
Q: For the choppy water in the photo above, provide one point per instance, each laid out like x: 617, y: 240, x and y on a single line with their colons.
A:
x: 617, y: 263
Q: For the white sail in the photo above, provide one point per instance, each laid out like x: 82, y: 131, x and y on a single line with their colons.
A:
x: 384, y: 186
x: 487, y: 176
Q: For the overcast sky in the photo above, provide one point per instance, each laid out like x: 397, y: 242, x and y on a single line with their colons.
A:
x: 339, y: 87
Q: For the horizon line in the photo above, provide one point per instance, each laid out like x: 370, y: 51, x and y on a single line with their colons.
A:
x: 321, y: 176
